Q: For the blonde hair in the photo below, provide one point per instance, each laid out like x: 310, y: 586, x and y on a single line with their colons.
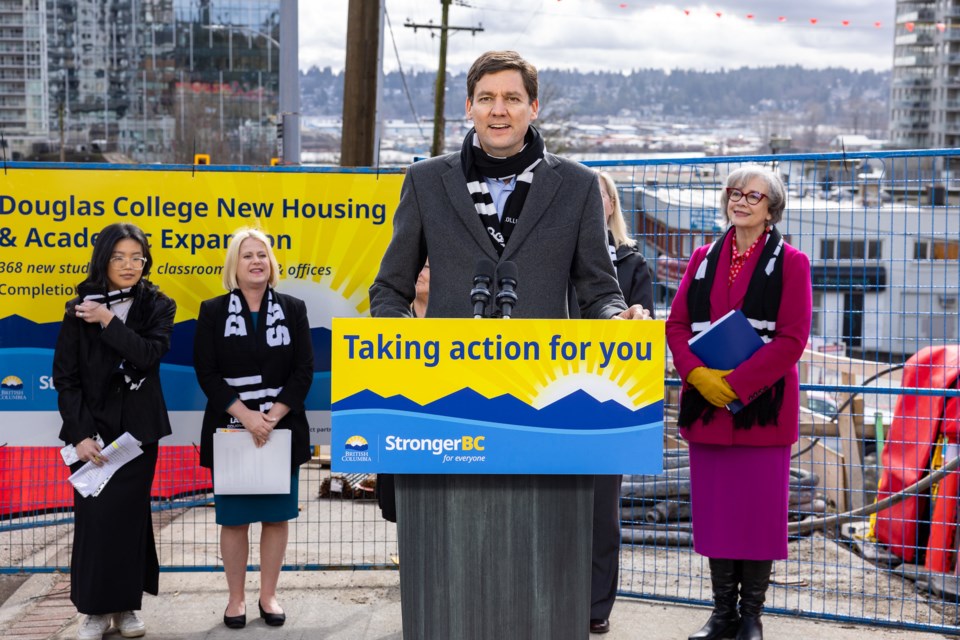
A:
x: 617, y: 225
x: 233, y: 257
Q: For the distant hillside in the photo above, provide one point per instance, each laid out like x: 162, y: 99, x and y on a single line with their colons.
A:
x: 853, y: 99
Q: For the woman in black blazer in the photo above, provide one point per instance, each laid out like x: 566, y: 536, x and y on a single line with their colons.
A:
x: 254, y: 361
x: 106, y: 369
x: 636, y: 284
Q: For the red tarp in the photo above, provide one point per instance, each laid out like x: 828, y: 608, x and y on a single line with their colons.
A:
x: 909, y: 446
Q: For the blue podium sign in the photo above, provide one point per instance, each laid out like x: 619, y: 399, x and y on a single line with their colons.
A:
x: 500, y: 397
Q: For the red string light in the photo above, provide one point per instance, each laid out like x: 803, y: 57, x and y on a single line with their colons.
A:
x: 812, y: 21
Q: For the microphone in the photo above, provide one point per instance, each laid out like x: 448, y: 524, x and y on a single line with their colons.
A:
x: 507, y: 283
x: 480, y: 294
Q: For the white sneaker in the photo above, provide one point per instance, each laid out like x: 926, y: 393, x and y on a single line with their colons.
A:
x: 93, y: 627
x: 130, y: 625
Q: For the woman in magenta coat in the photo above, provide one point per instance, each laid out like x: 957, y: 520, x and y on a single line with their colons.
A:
x: 740, y: 463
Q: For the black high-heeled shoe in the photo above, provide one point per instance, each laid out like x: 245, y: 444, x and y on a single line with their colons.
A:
x: 235, y: 622
x: 272, y: 619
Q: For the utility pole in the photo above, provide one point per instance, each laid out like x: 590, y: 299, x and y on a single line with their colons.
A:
x: 360, y: 75
x: 289, y: 81
x: 440, y: 89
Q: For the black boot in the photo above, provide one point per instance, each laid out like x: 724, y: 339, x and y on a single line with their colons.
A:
x: 724, y: 620
x: 754, y: 579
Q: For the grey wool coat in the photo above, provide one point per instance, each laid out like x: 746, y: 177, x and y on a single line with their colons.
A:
x: 559, y: 238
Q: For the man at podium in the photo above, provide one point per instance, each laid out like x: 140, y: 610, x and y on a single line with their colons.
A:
x: 508, y: 226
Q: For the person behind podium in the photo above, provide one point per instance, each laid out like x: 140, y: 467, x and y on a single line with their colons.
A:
x: 740, y: 463
x: 502, y: 197
x: 106, y: 369
x: 633, y: 275
x: 254, y: 360
x: 385, y: 490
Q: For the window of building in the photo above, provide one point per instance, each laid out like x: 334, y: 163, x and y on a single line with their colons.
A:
x: 928, y: 317
x: 936, y: 250
x: 816, y: 320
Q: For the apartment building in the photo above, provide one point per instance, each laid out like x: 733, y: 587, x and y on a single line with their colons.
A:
x: 155, y: 80
x: 925, y: 92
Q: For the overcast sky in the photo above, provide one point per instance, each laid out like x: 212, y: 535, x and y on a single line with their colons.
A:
x: 593, y: 35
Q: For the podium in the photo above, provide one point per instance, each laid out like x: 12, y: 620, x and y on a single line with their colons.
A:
x: 495, y: 431
x: 491, y: 557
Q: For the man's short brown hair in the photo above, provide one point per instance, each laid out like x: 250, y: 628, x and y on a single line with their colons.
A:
x: 494, y: 61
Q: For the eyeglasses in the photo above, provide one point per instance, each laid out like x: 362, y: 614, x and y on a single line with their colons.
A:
x: 753, y: 197
x: 137, y: 263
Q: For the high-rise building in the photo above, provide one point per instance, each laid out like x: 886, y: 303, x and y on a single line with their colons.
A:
x: 23, y: 72
x: 917, y: 83
x: 160, y: 80
x: 925, y: 93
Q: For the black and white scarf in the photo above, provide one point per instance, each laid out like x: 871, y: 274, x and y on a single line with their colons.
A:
x: 259, y: 387
x: 761, y: 305
x: 132, y: 377
x: 612, y: 249
x: 108, y: 298
x: 477, y: 165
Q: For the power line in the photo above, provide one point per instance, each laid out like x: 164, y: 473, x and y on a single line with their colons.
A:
x: 436, y: 148
x: 403, y: 77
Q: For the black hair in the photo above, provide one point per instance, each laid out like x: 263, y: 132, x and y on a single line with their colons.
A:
x: 103, y: 247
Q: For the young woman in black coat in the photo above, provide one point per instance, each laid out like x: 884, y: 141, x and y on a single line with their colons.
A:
x: 637, y: 287
x: 254, y: 360
x: 106, y: 369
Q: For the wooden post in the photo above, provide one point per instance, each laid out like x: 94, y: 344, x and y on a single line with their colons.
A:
x: 439, y: 98
x: 851, y: 445
x: 360, y: 84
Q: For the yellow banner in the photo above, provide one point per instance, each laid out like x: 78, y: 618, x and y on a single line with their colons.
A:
x: 329, y: 231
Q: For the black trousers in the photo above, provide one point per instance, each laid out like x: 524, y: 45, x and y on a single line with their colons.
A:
x: 606, y: 545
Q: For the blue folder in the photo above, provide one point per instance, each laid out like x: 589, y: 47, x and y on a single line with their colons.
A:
x: 728, y: 342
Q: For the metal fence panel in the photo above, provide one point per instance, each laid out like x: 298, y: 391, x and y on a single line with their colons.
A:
x: 883, y: 234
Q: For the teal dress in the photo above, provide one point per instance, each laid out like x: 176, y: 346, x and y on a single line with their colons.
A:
x: 241, y: 509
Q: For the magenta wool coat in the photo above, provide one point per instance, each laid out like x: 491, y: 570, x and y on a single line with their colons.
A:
x: 778, y: 358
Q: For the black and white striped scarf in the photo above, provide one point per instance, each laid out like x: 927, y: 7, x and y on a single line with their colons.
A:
x: 112, y: 299
x: 477, y: 165
x: 108, y: 298
x: 257, y: 387
x: 761, y: 304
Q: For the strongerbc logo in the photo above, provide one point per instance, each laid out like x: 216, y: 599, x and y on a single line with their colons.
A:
x: 355, y: 449
x: 11, y: 388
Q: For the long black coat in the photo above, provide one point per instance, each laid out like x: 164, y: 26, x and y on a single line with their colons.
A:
x: 634, y: 278
x: 114, y: 557
x: 216, y: 358
x: 91, y: 391
x: 635, y: 281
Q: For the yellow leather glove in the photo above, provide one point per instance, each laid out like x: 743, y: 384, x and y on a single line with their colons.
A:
x: 712, y: 386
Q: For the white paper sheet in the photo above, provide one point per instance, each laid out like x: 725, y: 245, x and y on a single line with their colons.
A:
x: 240, y: 467
x: 90, y: 479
